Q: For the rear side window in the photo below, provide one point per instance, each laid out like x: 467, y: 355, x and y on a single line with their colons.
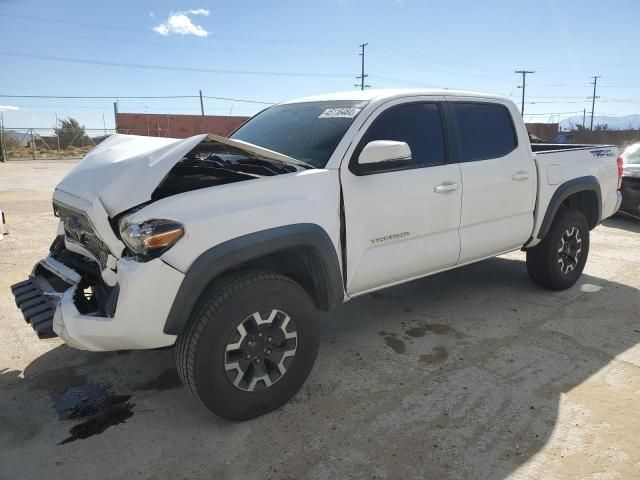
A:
x: 417, y: 124
x: 486, y: 130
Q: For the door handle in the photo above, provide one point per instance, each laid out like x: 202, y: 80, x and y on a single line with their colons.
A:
x: 446, y: 187
x: 520, y: 176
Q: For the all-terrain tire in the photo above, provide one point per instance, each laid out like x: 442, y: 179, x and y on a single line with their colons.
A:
x: 202, y: 353
x: 557, y: 261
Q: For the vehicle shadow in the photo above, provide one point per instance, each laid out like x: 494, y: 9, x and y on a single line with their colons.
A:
x: 623, y: 222
x: 459, y: 375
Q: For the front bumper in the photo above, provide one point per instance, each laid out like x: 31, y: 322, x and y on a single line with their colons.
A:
x: 53, y: 301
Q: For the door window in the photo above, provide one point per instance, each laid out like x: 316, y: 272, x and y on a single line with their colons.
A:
x: 417, y: 124
x: 486, y: 130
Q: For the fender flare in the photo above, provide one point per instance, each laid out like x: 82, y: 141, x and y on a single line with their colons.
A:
x: 227, y: 255
x: 565, y: 190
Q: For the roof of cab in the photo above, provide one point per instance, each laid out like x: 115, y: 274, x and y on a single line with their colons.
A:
x: 390, y: 93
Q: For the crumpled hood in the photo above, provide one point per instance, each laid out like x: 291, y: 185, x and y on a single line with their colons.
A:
x: 124, y: 170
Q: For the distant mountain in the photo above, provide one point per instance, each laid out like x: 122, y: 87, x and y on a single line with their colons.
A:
x: 20, y: 137
x: 614, y: 123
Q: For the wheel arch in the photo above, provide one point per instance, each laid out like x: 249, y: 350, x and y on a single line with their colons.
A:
x: 303, y: 252
x: 583, y: 194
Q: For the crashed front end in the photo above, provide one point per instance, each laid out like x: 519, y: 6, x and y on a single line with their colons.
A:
x: 104, y: 285
x: 93, y: 300
x: 90, y: 290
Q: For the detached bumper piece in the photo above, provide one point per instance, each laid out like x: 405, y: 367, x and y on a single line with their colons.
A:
x: 38, y: 305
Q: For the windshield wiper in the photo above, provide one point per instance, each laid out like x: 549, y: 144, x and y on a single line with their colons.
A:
x: 305, y: 164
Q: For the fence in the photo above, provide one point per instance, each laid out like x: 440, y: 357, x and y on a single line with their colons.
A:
x: 48, y: 144
x: 621, y: 138
x: 74, y: 143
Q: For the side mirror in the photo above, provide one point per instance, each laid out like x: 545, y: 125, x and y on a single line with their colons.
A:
x: 380, y: 151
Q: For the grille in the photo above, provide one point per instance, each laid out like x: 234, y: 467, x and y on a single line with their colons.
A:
x: 78, y: 229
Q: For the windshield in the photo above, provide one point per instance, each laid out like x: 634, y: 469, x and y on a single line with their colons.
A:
x: 309, y: 132
x: 632, y: 154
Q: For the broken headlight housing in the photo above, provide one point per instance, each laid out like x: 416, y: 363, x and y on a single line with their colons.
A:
x: 151, y: 238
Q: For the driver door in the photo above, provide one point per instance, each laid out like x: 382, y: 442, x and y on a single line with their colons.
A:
x: 402, y: 219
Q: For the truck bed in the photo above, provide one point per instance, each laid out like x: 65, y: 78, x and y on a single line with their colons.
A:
x: 559, y: 163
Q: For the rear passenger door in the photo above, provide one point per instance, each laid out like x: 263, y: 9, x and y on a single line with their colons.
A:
x: 401, y: 220
x: 498, y: 177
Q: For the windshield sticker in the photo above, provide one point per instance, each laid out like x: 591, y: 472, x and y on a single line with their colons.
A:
x: 340, y: 113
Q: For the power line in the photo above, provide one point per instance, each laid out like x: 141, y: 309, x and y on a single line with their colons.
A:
x: 239, y: 100
x: 99, y: 96
x: 439, y: 69
x: 593, y: 99
x: 320, y: 44
x: 88, y: 107
x: 399, y: 80
x: 180, y: 46
x: 610, y: 65
x: 524, y: 86
x: 71, y: 22
x: 551, y: 113
x: 171, y: 68
x: 430, y: 59
x: 141, y: 97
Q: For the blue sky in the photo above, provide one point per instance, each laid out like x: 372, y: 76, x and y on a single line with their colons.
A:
x: 276, y: 50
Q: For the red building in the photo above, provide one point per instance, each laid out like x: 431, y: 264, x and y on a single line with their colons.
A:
x: 543, y: 131
x: 176, y: 126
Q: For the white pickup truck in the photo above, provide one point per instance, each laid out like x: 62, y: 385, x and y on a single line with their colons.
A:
x: 227, y: 247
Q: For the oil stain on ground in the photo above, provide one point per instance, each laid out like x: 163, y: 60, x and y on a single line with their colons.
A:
x: 421, y: 330
x: 438, y: 355
x: 94, y: 405
x: 392, y: 340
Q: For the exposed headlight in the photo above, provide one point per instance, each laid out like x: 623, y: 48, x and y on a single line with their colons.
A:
x: 151, y: 238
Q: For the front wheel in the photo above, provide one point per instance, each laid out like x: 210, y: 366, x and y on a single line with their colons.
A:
x: 557, y: 262
x: 249, y: 346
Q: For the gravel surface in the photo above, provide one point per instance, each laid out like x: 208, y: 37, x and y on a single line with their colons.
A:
x: 471, y: 374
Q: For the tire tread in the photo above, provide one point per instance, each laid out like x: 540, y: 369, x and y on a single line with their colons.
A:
x: 540, y: 266
x: 211, y: 300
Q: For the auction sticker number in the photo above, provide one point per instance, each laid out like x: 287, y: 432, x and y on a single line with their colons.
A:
x: 340, y: 113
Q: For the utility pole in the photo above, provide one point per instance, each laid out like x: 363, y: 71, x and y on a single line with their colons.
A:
x: 201, y: 104
x: 3, y: 155
x: 115, y: 115
x: 524, y: 86
x: 58, y: 137
x: 362, y: 77
x: 584, y: 118
x: 593, y: 99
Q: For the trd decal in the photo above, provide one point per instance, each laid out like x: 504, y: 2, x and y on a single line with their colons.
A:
x: 602, y: 153
x: 389, y: 237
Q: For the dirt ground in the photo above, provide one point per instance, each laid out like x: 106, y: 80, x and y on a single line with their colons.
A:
x: 470, y: 374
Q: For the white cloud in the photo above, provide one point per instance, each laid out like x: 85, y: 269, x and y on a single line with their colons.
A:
x: 198, y: 11
x: 6, y: 108
x: 180, y: 23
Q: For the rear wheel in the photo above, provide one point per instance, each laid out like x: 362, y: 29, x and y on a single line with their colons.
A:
x: 557, y: 262
x: 249, y: 346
